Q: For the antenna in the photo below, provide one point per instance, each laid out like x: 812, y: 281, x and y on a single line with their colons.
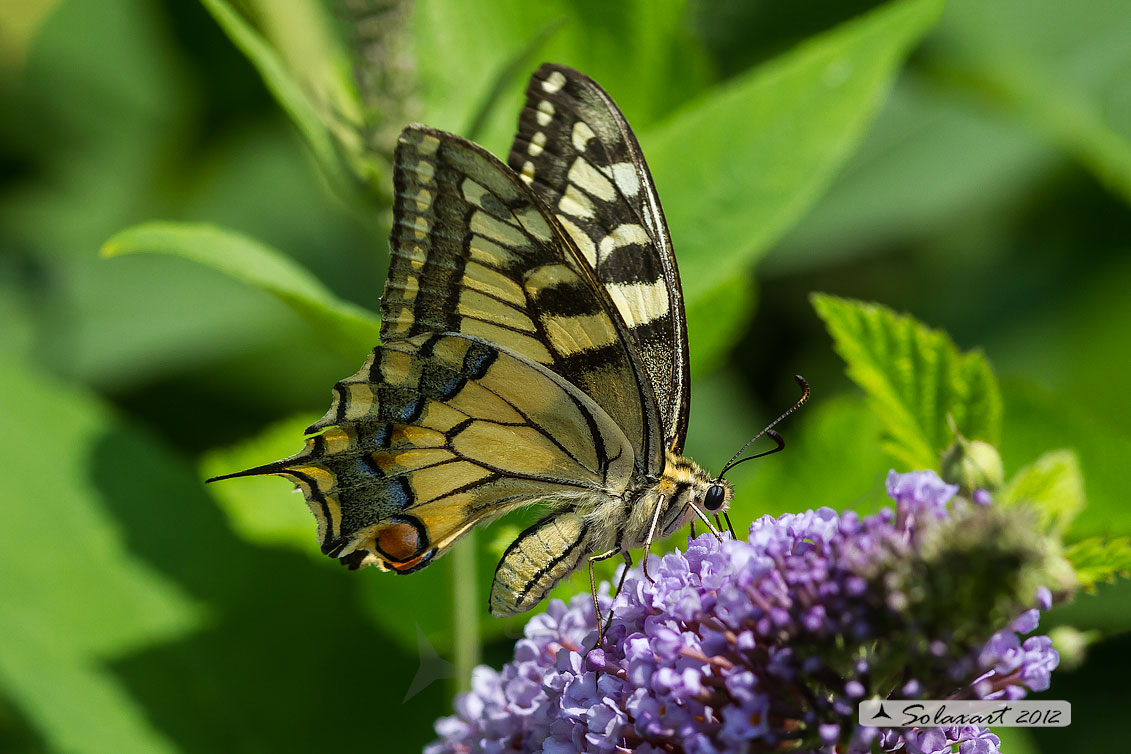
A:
x: 769, y: 430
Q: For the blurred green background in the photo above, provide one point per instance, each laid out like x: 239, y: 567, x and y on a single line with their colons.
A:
x: 973, y: 170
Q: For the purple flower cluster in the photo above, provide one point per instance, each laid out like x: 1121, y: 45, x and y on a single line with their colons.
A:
x: 749, y: 646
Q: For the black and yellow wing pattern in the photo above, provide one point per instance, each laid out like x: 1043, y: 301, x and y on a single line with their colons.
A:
x: 475, y: 252
x: 575, y: 149
x: 533, y: 350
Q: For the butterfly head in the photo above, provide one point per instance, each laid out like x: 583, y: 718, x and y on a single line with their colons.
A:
x: 690, y: 493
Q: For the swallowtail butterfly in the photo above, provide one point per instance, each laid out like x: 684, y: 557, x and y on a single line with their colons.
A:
x: 534, y: 350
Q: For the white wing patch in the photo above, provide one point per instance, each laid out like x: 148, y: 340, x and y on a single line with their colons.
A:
x: 592, y: 180
x: 624, y: 175
x: 624, y: 235
x: 554, y: 83
x: 581, y: 135
x: 545, y: 113
x: 537, y: 143
x: 640, y: 303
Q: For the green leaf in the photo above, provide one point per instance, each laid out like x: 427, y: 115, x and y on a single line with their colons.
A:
x: 1055, y: 109
x: 131, y: 617
x: 259, y: 508
x: 311, y: 122
x: 1005, y: 91
x: 637, y: 49
x: 737, y: 167
x: 1058, y: 71
x: 349, y: 328
x: 1099, y: 559
x: 1053, y: 486
x: 962, y: 161
x: 914, y: 378
x: 716, y: 321
x: 75, y: 595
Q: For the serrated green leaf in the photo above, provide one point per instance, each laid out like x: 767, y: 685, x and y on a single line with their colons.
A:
x: 348, y: 327
x: 75, y: 595
x: 1100, y: 559
x: 1053, y: 486
x: 914, y: 378
x: 736, y: 167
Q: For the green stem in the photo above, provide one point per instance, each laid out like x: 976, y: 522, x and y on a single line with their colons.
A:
x: 465, y: 609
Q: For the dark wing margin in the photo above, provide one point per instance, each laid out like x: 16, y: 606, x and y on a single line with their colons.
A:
x: 577, y: 152
x: 475, y: 251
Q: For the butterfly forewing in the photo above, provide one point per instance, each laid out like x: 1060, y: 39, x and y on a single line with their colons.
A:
x: 474, y: 251
x: 576, y: 151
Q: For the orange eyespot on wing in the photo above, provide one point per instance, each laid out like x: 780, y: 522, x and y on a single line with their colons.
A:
x: 401, y: 545
x: 400, y: 542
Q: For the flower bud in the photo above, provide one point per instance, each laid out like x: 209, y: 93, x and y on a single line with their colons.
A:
x: 972, y: 465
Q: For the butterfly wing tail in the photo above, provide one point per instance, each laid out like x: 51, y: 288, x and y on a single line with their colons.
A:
x: 267, y: 469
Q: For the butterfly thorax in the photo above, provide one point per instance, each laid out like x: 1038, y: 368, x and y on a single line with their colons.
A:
x: 683, y: 483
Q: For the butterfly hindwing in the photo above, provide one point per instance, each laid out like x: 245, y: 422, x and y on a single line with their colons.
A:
x: 576, y: 151
x: 439, y: 432
x: 474, y: 251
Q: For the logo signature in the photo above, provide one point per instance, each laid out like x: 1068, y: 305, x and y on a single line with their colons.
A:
x: 937, y: 713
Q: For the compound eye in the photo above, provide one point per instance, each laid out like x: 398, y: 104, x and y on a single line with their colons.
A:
x: 713, y: 500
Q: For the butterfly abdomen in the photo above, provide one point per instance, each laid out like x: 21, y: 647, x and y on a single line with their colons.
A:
x: 542, y: 556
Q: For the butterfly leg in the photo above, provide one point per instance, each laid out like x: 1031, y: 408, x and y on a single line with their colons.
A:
x: 627, y: 565
x: 593, y: 588
x: 706, y: 521
x: 729, y: 525
x: 620, y: 583
x: 651, y: 536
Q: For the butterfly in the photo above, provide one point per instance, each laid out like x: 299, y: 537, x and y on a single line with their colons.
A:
x: 533, y: 350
